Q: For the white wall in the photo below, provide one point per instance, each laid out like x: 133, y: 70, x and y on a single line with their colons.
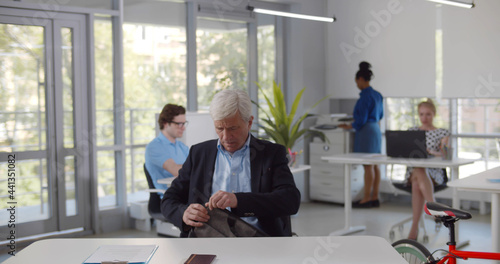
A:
x: 305, y: 60
x: 399, y: 38
x: 305, y: 63
x: 471, y: 50
x: 395, y: 36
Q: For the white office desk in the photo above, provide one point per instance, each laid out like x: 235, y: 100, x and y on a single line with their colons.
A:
x: 298, y: 169
x: 166, y: 181
x: 479, y: 182
x: 286, y: 250
x: 378, y: 159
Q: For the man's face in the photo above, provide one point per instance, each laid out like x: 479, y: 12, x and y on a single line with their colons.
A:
x: 233, y: 131
x: 176, y: 128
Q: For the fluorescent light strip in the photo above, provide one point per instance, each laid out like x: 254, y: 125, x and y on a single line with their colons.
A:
x: 454, y: 3
x: 294, y: 15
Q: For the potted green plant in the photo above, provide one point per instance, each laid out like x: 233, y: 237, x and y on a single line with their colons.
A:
x: 282, y: 126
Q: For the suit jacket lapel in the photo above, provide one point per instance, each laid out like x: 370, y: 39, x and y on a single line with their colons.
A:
x: 209, y: 169
x: 256, y: 169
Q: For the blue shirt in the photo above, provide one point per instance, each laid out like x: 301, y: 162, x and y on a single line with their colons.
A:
x: 369, y: 108
x: 160, y: 150
x: 232, y: 173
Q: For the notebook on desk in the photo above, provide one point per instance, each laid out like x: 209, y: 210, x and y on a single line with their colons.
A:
x: 406, y: 144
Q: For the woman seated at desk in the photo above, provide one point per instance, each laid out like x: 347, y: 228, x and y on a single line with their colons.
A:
x: 422, y: 180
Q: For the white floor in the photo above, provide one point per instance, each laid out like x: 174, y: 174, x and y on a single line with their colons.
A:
x: 319, y: 219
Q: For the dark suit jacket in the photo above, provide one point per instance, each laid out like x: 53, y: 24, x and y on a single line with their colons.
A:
x: 273, y: 199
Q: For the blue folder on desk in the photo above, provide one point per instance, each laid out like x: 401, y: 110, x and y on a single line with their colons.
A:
x: 406, y: 144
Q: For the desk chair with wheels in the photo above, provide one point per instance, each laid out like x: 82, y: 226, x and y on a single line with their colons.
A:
x: 404, y: 186
x: 163, y: 227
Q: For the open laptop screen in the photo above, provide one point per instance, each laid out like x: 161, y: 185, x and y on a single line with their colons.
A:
x: 406, y: 144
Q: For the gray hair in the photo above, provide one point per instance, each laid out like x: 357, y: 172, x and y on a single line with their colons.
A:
x: 227, y: 103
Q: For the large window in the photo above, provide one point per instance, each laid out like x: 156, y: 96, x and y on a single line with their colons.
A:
x: 153, y: 43
x: 104, y: 115
x: 154, y: 75
x: 477, y: 123
x: 222, y: 57
x: 266, y: 44
x: 402, y: 113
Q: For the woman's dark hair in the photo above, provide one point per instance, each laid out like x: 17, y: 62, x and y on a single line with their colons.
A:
x: 364, y: 71
x: 168, y: 113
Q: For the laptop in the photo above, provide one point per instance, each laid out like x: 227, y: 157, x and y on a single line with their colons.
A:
x: 406, y: 144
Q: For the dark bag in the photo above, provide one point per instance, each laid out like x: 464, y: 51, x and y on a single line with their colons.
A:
x: 223, y: 223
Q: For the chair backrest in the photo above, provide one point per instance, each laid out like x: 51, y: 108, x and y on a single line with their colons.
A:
x: 148, y: 178
x: 288, y: 226
x: 154, y: 203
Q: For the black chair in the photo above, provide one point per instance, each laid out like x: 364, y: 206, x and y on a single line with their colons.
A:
x: 404, y: 186
x: 154, y: 203
x: 154, y: 209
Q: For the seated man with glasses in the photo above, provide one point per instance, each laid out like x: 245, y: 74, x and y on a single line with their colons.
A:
x: 165, y: 154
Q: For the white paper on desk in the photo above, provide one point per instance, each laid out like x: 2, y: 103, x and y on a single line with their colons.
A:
x: 130, y: 253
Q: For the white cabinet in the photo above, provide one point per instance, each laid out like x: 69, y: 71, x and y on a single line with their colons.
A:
x: 326, y: 180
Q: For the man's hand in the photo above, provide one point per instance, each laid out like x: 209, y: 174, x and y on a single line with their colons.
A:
x: 222, y: 200
x: 195, y: 215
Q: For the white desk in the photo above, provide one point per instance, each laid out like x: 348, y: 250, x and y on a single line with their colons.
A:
x: 300, y: 168
x: 286, y: 250
x: 479, y: 182
x: 377, y: 159
x: 166, y: 181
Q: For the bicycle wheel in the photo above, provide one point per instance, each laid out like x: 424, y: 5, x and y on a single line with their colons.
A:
x: 412, y: 251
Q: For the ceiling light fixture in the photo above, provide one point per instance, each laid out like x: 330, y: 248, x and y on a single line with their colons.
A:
x: 288, y: 14
x: 454, y: 3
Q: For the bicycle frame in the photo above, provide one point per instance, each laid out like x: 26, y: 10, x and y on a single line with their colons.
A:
x: 453, y: 255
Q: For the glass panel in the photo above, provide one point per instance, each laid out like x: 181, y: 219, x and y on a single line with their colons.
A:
x: 67, y: 82
x: 402, y: 113
x: 140, y: 125
x: 222, y: 58
x: 106, y: 186
x: 22, y: 111
x: 136, y: 180
x: 50, y: 5
x: 479, y: 116
x: 103, y: 81
x: 155, y: 74
x: 70, y: 186
x: 266, y: 68
x: 477, y: 148
x: 31, y: 196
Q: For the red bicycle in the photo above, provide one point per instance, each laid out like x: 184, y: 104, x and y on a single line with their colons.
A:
x: 414, y: 252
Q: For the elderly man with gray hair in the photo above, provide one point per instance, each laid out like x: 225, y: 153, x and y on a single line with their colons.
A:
x: 248, y: 176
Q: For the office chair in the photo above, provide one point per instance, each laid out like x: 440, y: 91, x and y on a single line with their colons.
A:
x: 407, y: 188
x: 154, y: 207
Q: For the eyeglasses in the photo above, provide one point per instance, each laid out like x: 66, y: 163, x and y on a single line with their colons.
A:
x: 180, y: 124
